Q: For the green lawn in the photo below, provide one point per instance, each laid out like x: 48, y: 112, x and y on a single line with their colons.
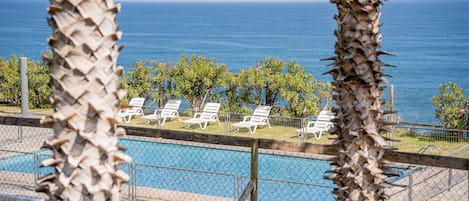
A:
x: 407, y: 143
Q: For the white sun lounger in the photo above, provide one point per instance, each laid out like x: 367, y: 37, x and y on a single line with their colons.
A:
x: 260, y: 117
x: 169, y: 111
x: 209, y: 114
x: 136, y: 105
x: 322, y: 123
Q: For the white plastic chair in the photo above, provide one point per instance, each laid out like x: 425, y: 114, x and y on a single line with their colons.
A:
x: 209, y: 114
x: 136, y: 105
x: 169, y: 111
x: 260, y: 117
x: 322, y: 123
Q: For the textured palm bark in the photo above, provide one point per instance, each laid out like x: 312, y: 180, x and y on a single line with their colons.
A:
x: 85, y: 96
x: 357, y: 73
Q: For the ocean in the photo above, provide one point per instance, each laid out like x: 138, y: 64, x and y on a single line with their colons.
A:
x: 430, y: 39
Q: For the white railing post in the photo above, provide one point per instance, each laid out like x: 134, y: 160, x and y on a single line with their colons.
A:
x: 24, y: 86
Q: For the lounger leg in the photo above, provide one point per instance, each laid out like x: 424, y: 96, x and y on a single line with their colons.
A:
x: 268, y: 123
x: 128, y: 120
x: 253, y: 130
x: 318, y: 136
x: 161, y: 123
x: 204, y: 126
x: 301, y: 136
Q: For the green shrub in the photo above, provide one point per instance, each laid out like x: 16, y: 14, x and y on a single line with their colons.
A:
x: 285, y: 86
x: 448, y: 106
x: 38, y: 80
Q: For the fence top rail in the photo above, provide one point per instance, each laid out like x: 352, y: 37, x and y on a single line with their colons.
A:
x: 20, y: 152
x: 303, y: 147
x: 295, y: 182
x: 184, y: 169
x: 439, y: 128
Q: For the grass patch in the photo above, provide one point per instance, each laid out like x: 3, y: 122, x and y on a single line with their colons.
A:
x: 14, y: 110
x: 413, y: 143
x: 408, y: 142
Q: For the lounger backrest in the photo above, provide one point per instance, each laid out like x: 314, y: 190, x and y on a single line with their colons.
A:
x: 171, y: 107
x: 137, y: 102
x: 136, y: 105
x: 324, y: 120
x: 260, y: 113
x: 210, y: 110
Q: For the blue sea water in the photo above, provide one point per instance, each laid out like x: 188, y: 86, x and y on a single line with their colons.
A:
x: 431, y: 39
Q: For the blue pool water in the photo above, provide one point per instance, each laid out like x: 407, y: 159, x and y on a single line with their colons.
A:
x: 158, y: 156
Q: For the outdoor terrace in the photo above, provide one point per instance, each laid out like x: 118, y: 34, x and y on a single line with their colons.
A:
x: 426, y: 177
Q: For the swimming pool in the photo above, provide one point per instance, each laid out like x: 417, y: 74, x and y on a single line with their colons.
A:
x: 156, y: 156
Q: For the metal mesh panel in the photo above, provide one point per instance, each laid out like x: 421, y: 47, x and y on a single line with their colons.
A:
x: 279, y: 190
x: 18, y: 175
x: 162, y: 170
x: 164, y: 183
x: 430, y: 183
x: 9, y: 134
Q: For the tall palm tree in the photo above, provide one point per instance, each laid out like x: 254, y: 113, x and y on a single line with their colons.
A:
x: 85, y: 95
x: 357, y: 73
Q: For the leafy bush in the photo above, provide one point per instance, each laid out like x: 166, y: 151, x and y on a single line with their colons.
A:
x: 286, y: 86
x: 451, y: 106
x: 137, y: 81
x: 196, y: 79
x: 38, y: 80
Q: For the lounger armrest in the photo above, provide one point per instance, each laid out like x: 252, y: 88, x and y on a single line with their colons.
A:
x: 197, y: 115
x: 310, y: 124
x: 214, y: 116
x: 246, y: 118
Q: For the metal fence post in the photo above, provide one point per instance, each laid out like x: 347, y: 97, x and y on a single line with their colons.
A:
x: 129, y: 189
x: 19, y: 137
x: 235, y: 191
x: 227, y: 123
x: 410, y: 185
x: 36, y: 169
x: 468, y: 180
x: 254, y: 168
x: 450, y: 175
x: 133, y: 179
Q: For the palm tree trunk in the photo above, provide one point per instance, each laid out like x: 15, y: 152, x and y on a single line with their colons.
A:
x: 85, y: 95
x: 358, y: 75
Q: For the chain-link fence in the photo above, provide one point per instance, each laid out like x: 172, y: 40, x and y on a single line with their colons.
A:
x: 430, y: 183
x: 178, y: 170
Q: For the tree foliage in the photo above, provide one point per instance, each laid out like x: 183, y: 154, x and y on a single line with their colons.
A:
x: 138, y: 80
x: 300, y: 91
x: 38, y: 80
x: 163, y: 84
x: 284, y: 85
x: 196, y: 79
x: 451, y: 106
